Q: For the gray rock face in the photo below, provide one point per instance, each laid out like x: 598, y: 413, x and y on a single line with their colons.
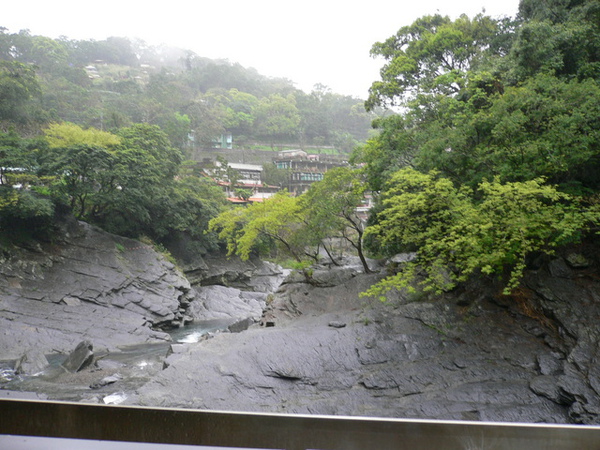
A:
x: 478, y: 358
x: 219, y: 302
x: 470, y: 354
x: 80, y: 358
x: 88, y: 285
x: 253, y: 275
x: 31, y: 363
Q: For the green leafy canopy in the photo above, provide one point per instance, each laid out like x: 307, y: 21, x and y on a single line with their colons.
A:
x: 459, y: 232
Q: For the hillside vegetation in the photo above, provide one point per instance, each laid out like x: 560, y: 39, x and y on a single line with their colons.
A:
x: 117, y: 82
x: 487, y: 157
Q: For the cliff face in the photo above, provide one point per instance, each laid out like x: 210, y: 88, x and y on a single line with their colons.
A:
x: 87, y: 284
x: 468, y: 355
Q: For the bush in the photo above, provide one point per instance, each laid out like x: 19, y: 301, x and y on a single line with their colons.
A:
x: 25, y: 212
x: 458, y: 232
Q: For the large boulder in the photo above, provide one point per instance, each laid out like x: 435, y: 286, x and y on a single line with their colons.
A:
x: 220, y: 302
x: 32, y: 362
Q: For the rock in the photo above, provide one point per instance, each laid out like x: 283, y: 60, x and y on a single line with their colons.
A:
x: 31, y: 363
x: 218, y: 302
x: 106, y: 381
x: 547, y: 386
x: 88, y: 284
x: 559, y: 268
x: 240, y: 325
x: 416, y: 360
x: 115, y: 399
x: 549, y: 364
x: 577, y: 261
x: 251, y: 275
x: 71, y: 301
x: 79, y: 358
x: 332, y: 277
x: 402, y: 258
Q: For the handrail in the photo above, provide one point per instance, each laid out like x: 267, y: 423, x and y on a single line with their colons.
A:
x: 276, y: 431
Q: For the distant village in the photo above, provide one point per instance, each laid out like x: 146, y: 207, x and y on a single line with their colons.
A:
x: 302, y: 169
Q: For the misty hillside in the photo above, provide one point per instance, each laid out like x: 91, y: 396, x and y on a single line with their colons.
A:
x: 119, y: 81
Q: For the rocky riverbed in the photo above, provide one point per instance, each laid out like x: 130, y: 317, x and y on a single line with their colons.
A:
x: 295, y: 345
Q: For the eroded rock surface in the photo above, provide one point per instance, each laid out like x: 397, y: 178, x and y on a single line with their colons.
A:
x: 467, y: 356
x: 87, y: 285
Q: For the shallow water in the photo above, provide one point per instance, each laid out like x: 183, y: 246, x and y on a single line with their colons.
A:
x: 131, y: 366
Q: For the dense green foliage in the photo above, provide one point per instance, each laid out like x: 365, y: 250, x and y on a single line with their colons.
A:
x: 330, y: 209
x: 490, y: 154
x: 299, y: 227
x: 132, y: 183
x: 496, y: 153
x: 101, y: 129
x: 261, y: 227
x: 118, y: 82
x: 458, y: 232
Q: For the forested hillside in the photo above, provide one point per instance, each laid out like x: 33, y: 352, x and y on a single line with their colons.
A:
x: 104, y: 130
x: 495, y: 159
x: 117, y: 82
x: 487, y: 157
x: 491, y: 159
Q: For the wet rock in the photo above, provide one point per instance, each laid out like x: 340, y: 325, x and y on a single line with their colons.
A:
x: 31, y: 363
x: 106, y: 381
x: 80, y: 358
x: 87, y: 285
x: 219, y: 302
x: 241, y: 325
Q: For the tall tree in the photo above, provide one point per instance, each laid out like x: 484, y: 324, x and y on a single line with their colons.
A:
x: 18, y: 86
x: 431, y: 56
x: 260, y: 226
x: 330, y: 207
x: 277, y: 116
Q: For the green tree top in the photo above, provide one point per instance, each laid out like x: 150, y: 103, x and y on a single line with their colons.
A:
x: 458, y: 233
x: 430, y: 56
x: 64, y: 134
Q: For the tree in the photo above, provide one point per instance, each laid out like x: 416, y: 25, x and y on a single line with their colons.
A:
x: 458, y: 233
x: 65, y: 134
x: 177, y: 127
x: 273, y: 176
x: 143, y: 172
x: 17, y: 158
x: 330, y: 207
x: 18, y: 86
x: 431, y: 56
x: 274, y: 222
x: 277, y: 116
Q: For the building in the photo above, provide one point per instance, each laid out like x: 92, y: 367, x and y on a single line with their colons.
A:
x: 305, y: 169
x: 243, y: 178
x: 223, y: 141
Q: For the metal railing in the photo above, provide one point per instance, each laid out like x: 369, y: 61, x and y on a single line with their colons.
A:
x: 274, y: 431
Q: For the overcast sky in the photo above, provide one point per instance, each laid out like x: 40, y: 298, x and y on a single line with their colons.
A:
x: 308, y: 42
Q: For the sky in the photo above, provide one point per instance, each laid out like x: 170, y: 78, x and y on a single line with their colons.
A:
x: 307, y: 42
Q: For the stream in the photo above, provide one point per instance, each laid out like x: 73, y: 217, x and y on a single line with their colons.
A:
x: 113, y: 377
